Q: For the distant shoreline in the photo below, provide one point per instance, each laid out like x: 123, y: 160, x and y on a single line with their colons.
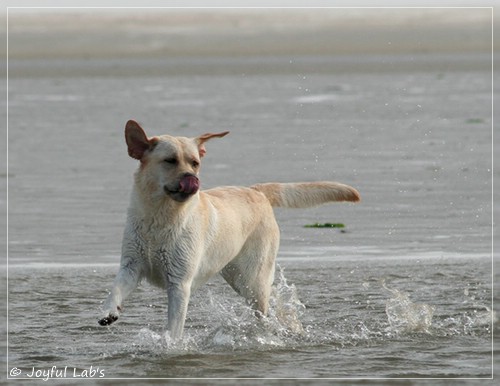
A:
x: 242, y: 33
x: 248, y: 66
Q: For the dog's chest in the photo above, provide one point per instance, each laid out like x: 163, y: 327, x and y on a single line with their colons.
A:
x: 166, y: 253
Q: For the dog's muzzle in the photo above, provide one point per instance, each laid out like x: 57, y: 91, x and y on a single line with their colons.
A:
x: 189, y: 184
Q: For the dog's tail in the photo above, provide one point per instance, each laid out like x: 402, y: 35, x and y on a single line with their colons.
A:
x: 306, y: 194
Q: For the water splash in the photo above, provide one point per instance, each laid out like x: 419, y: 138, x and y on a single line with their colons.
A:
x: 285, y: 306
x: 152, y: 341
x: 239, y: 328
x: 404, y: 316
x: 223, y: 321
x: 229, y: 323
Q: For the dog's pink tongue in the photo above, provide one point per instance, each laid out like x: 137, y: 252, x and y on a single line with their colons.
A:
x: 189, y: 184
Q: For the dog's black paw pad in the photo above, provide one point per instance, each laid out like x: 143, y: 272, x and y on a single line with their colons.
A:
x: 108, y: 320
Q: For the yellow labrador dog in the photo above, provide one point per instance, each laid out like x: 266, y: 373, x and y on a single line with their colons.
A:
x: 177, y: 236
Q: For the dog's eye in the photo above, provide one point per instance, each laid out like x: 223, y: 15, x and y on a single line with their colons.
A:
x: 171, y: 161
x: 195, y: 164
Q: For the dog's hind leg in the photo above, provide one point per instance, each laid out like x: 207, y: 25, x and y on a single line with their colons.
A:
x: 255, y: 287
x: 251, y: 273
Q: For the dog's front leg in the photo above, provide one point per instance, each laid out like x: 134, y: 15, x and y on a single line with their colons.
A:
x: 125, y: 282
x: 178, y: 300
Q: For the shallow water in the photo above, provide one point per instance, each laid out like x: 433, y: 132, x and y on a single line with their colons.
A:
x: 403, y: 291
x: 382, y: 318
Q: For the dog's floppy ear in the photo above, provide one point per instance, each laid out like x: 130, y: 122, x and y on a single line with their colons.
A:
x: 137, y: 141
x: 200, y: 141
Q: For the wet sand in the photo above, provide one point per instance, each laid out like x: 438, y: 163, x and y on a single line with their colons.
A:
x: 168, y: 34
x: 347, y: 54
x: 398, y: 106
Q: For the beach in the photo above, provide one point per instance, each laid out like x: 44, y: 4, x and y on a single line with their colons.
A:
x: 397, y: 103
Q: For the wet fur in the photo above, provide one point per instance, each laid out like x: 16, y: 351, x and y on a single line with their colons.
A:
x: 178, y: 240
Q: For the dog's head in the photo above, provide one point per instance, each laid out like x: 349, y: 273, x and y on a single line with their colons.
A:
x: 169, y: 165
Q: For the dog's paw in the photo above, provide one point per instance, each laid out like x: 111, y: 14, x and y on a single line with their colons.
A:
x: 107, y: 320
